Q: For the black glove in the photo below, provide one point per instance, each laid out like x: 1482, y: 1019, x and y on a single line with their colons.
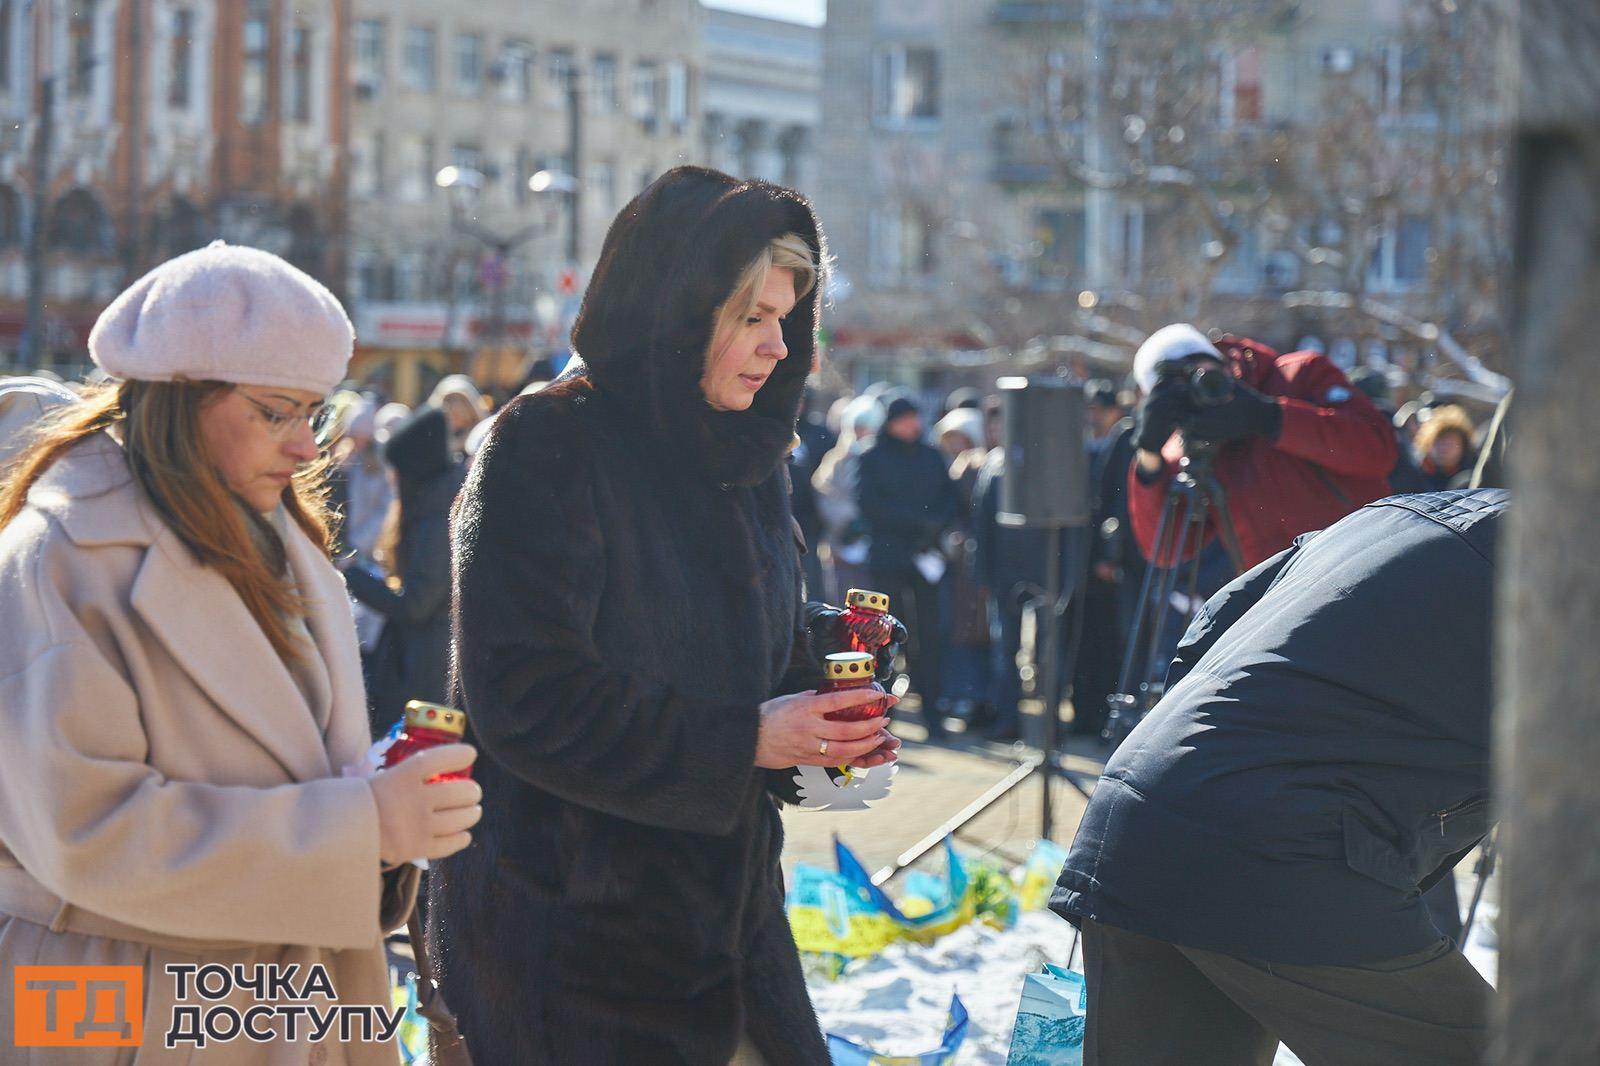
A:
x: 887, y: 653
x: 1161, y: 412
x: 826, y: 635
x: 1247, y: 413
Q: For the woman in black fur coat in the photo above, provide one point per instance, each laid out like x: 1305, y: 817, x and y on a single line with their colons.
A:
x: 628, y: 612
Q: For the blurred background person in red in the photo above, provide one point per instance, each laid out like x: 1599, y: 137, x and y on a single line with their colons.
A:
x: 1295, y: 446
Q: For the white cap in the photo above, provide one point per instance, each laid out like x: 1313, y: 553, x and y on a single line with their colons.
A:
x: 1166, y: 345
x: 967, y: 421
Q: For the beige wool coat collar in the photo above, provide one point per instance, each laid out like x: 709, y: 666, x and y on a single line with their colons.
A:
x: 90, y: 491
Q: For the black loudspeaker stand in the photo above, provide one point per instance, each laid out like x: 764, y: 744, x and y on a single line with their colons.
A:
x: 1046, y: 487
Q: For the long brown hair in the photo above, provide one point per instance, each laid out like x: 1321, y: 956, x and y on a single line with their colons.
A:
x: 159, y: 423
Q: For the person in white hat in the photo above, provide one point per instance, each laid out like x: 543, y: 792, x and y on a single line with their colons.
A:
x: 1293, y: 444
x: 182, y: 681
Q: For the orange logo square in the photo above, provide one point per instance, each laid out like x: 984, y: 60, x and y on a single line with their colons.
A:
x: 78, y: 1006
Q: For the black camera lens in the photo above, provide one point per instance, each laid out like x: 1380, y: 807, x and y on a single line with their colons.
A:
x: 1210, y: 386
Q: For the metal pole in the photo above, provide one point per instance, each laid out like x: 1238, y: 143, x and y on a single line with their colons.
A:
x: 33, y: 338
x: 1051, y: 636
x: 497, y: 303
x: 960, y: 818
x: 130, y: 242
x: 575, y: 166
x: 1099, y: 202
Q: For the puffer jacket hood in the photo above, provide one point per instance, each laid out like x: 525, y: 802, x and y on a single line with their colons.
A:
x: 670, y: 259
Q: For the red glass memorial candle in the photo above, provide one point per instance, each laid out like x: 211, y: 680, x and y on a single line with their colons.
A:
x: 427, y: 725
x: 866, y: 620
x: 850, y: 670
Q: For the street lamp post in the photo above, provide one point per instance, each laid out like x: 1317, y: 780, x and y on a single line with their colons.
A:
x: 462, y: 182
x: 32, y: 336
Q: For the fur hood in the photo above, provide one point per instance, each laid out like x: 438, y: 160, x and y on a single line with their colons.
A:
x: 671, y: 257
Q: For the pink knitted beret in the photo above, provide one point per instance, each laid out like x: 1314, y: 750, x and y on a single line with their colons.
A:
x: 226, y: 313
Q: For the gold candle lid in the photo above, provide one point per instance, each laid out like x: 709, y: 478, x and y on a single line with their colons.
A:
x: 846, y: 665
x: 872, y: 601
x: 436, y: 716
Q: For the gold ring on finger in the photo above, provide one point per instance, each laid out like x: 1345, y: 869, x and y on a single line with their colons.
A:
x: 822, y: 747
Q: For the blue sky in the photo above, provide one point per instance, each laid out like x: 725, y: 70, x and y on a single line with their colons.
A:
x: 810, y: 12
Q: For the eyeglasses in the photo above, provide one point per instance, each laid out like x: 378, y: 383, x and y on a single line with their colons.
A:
x: 281, y: 426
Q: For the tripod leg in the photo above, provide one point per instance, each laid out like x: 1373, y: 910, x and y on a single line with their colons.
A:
x: 1178, y: 534
x: 1216, y: 503
x: 1135, y: 635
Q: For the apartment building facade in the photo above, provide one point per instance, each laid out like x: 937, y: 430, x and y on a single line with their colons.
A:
x: 133, y: 130
x: 1222, y: 160
x: 481, y: 275
x: 763, y: 98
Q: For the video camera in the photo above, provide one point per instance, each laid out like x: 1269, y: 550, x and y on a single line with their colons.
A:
x: 1210, y: 384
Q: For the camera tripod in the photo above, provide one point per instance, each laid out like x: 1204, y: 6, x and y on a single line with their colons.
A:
x: 1194, y: 501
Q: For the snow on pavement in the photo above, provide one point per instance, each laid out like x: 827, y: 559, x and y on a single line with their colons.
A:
x: 896, y: 1003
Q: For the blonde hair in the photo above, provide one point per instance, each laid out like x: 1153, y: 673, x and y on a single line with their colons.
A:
x: 788, y: 252
x: 1449, y: 418
x: 160, y: 429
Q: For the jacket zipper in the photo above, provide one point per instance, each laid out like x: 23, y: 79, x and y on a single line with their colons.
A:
x: 1456, y: 809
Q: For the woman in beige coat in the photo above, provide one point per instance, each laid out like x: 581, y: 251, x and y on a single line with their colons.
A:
x: 180, y: 687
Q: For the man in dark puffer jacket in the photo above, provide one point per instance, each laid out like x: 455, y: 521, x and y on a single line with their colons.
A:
x: 1251, y: 865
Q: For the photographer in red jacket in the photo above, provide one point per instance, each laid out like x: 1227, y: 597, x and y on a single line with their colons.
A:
x: 1296, y: 447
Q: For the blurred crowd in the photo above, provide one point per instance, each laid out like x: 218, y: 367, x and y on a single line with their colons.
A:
x: 894, y: 491
x: 900, y: 494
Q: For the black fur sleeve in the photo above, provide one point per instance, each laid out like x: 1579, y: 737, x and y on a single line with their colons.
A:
x: 529, y: 569
x: 804, y: 675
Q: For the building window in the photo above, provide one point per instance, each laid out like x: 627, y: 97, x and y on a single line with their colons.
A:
x: 467, y: 157
x: 1400, y: 256
x: 300, y: 75
x: 1130, y: 246
x: 791, y: 152
x: 1239, y: 86
x: 253, y: 78
x: 1401, y: 88
x: 421, y: 62
x: 520, y: 175
x: 603, y: 83
x: 78, y: 223
x: 376, y: 279
x: 900, y: 246
x: 905, y: 85
x: 557, y: 73
x: 1060, y: 237
x: 366, y: 165
x: 516, y: 72
x: 180, y: 52
x: 678, y: 95
x: 416, y: 169
x: 370, y: 65
x: 469, y: 64
x: 644, y: 94
x: 603, y: 183
x: 80, y: 35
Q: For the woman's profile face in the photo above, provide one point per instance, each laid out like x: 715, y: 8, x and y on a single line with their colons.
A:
x: 1448, y: 449
x: 460, y: 412
x: 258, y: 437
x: 744, y: 354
